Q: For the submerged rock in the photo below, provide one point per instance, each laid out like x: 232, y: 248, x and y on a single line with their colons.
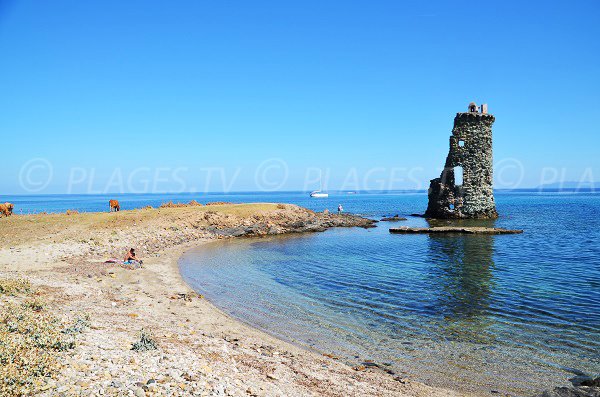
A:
x: 591, y: 382
x: 393, y: 218
x: 584, y: 386
x: 370, y: 364
x: 572, y: 392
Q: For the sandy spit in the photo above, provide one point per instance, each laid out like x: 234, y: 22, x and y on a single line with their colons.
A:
x: 201, y: 351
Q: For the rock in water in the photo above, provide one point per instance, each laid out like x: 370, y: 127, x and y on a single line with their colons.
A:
x: 453, y: 230
x: 587, y: 388
x: 572, y: 392
x: 591, y: 382
x: 394, y: 218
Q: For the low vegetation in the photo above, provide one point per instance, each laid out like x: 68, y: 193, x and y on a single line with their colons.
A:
x: 13, y: 286
x: 219, y: 203
x: 146, y: 342
x: 171, y: 204
x: 17, y: 230
x: 31, y: 339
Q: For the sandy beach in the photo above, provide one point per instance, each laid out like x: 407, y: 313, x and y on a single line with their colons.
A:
x: 199, y: 349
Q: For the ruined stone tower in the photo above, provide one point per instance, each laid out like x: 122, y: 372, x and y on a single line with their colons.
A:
x: 470, y: 155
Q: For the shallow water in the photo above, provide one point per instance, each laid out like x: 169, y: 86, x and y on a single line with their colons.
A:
x: 514, y: 313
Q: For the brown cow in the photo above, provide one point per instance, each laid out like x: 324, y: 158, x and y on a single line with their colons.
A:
x: 114, y: 205
x: 6, y: 209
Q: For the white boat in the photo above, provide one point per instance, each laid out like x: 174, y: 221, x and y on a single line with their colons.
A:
x: 319, y: 193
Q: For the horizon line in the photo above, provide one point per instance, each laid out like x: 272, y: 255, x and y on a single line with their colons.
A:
x: 587, y: 189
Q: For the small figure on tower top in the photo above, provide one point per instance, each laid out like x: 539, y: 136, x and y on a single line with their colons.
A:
x: 473, y: 107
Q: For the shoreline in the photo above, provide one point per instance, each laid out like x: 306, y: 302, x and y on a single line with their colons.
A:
x: 248, y: 326
x: 201, y: 349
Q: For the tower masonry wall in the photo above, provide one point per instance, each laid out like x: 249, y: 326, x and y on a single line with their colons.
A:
x: 471, y: 150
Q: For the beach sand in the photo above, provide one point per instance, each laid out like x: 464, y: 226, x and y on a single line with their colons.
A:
x: 201, y: 350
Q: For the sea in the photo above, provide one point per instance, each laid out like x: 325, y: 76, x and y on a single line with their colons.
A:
x: 494, y: 315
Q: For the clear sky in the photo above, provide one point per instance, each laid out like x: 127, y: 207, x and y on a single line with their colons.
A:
x: 111, y: 93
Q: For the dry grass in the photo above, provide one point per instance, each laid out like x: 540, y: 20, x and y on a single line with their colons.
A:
x: 171, y: 204
x: 31, y: 339
x: 17, y: 230
x: 219, y: 203
x: 13, y: 286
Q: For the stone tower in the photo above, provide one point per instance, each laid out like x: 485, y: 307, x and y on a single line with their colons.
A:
x: 470, y: 155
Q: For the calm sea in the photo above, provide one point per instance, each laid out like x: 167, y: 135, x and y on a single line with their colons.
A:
x: 513, y: 314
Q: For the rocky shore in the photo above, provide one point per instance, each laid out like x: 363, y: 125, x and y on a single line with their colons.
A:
x: 143, y: 332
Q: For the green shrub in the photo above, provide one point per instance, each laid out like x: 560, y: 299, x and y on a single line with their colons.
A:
x: 146, y: 342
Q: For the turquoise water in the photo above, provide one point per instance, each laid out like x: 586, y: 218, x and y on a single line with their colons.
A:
x: 513, y: 314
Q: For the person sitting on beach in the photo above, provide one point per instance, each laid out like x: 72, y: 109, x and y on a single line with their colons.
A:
x: 131, y: 258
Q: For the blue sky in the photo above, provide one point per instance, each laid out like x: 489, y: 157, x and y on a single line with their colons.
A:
x: 112, y: 94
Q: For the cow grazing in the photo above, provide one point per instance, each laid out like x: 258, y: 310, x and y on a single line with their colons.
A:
x: 114, y: 205
x: 6, y: 209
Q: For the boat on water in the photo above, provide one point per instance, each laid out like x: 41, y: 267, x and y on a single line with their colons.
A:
x: 319, y: 193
